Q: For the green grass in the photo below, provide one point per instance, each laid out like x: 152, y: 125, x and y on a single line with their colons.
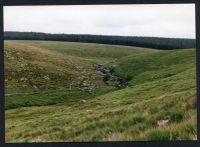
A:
x: 154, y: 66
x: 52, y: 97
x: 97, y: 53
x: 161, y: 85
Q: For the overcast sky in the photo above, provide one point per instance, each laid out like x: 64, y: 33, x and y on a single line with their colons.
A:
x: 177, y: 20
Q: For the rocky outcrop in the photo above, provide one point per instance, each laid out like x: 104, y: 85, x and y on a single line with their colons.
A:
x: 108, y: 76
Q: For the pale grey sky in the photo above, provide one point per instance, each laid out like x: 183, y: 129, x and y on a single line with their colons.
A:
x: 175, y: 20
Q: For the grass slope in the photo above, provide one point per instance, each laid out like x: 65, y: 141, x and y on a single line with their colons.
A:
x: 162, y: 85
x: 40, y: 72
x: 39, y: 69
x: 97, y: 53
x: 137, y: 69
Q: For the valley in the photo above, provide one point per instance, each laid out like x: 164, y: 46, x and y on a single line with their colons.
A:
x: 58, y: 91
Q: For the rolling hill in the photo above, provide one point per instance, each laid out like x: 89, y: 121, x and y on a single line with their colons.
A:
x: 161, y: 85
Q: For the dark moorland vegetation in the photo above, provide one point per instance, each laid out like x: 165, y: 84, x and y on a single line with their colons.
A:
x: 149, y: 42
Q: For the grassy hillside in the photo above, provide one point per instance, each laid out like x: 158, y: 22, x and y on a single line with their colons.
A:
x: 43, y: 69
x: 161, y: 85
x: 154, y: 66
x: 97, y: 53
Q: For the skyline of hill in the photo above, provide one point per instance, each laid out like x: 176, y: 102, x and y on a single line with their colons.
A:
x: 148, y: 42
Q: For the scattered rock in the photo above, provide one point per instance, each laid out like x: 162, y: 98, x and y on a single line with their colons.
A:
x: 23, y: 65
x: 88, y: 111
x: 103, y: 69
x: 85, y: 84
x: 83, y: 101
x: 35, y: 87
x: 109, y: 78
x: 162, y: 122
x: 23, y: 79
x: 46, y: 77
x: 21, y: 58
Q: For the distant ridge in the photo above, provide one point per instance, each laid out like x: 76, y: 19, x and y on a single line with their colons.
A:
x: 148, y: 42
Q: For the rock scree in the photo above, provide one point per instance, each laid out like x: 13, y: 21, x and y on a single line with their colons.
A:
x: 109, y: 78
